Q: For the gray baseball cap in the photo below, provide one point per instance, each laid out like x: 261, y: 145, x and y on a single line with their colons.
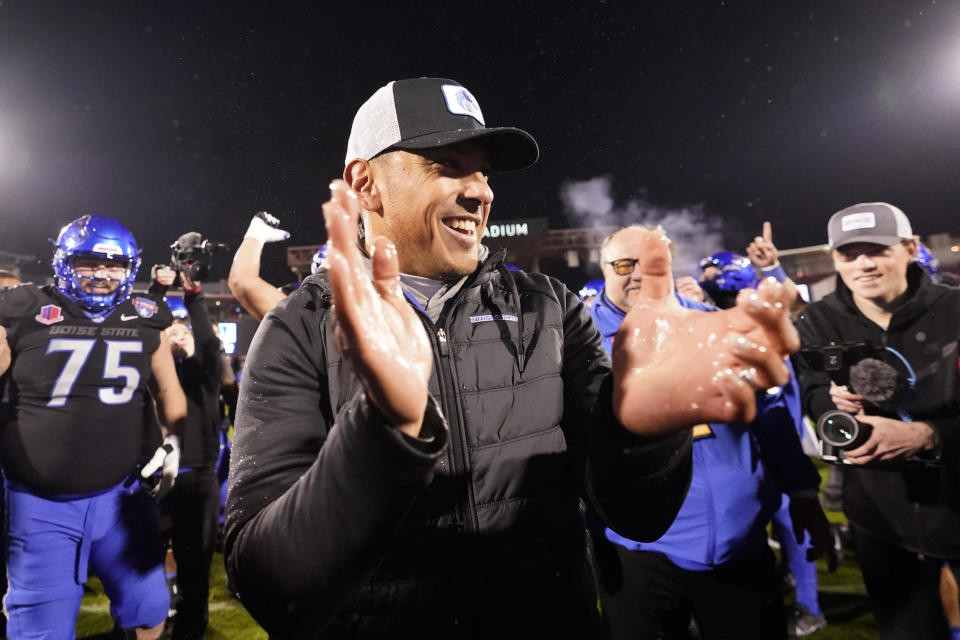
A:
x: 423, y: 113
x: 873, y: 222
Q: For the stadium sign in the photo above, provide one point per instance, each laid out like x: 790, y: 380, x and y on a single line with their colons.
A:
x: 516, y: 228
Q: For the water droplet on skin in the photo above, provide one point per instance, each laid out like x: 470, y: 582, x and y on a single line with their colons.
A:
x: 694, y: 406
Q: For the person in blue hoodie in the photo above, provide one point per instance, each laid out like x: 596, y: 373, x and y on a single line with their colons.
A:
x: 722, y: 276
x: 713, y: 565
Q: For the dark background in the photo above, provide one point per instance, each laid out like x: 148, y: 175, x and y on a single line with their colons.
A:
x: 177, y: 116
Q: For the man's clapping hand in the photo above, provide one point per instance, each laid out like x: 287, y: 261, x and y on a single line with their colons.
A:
x: 377, y: 331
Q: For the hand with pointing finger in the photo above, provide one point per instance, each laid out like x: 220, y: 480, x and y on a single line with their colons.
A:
x: 762, y: 252
x: 674, y: 367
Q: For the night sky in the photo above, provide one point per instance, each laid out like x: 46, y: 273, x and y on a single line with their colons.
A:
x: 179, y: 116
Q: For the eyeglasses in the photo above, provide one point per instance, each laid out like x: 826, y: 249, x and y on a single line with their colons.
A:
x: 623, y: 266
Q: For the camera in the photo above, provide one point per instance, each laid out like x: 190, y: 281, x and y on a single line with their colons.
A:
x: 192, y: 254
x: 881, y: 375
x: 840, y: 431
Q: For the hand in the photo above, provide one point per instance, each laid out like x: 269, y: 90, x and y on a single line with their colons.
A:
x: 674, y: 367
x: 687, y: 287
x: 189, y: 286
x: 163, y: 275
x: 376, y: 329
x: 807, y: 515
x: 5, y: 355
x: 264, y: 228
x: 844, y: 399
x: 167, y: 459
x: 761, y: 251
x: 891, y: 440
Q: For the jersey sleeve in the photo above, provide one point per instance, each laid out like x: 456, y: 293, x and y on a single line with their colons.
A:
x: 164, y: 317
x: 17, y: 302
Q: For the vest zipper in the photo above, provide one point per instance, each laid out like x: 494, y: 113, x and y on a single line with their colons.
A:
x: 442, y: 342
x: 458, y: 441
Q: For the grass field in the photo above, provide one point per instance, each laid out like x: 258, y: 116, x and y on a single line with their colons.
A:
x: 228, y: 619
x: 843, y: 599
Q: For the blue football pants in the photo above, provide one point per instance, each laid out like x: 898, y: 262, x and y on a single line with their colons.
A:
x: 51, y: 543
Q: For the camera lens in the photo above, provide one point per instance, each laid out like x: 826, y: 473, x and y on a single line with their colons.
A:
x: 838, y: 428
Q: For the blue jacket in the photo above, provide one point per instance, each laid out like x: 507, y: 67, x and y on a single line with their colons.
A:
x: 739, y: 472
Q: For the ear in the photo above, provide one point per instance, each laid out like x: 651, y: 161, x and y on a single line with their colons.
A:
x: 359, y: 176
x: 912, y: 248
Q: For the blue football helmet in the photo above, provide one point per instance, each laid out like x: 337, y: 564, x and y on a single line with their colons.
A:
x: 736, y: 272
x: 319, y: 260
x: 177, y: 307
x: 927, y: 260
x: 592, y: 288
x: 95, y: 237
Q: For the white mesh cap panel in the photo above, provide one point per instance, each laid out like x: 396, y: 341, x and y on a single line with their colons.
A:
x: 375, y: 127
x: 903, y: 224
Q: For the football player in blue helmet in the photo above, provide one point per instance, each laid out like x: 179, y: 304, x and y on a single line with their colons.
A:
x: 723, y: 274
x: 95, y: 263
x: 589, y: 292
x: 927, y: 260
x: 319, y: 260
x: 90, y: 360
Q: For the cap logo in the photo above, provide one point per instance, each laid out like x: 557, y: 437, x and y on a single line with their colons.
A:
x: 862, y: 220
x: 461, y: 102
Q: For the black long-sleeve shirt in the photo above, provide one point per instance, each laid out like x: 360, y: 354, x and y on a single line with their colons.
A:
x: 200, y: 378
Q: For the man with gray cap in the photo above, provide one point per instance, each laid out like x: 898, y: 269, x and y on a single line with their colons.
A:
x: 883, y: 347
x: 417, y: 423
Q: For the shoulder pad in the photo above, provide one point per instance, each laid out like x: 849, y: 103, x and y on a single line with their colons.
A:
x: 20, y: 300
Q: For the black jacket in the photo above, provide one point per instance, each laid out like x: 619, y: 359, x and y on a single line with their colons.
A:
x: 338, y: 522
x: 913, y: 505
x: 200, y: 378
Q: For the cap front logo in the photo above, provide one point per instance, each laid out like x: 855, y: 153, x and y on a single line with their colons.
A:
x: 862, y: 220
x: 461, y: 102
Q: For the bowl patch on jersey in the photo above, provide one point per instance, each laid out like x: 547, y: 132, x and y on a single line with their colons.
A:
x: 145, y: 307
x: 49, y: 314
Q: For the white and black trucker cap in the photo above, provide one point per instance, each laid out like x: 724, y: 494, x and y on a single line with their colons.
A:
x: 873, y: 222
x: 422, y: 113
